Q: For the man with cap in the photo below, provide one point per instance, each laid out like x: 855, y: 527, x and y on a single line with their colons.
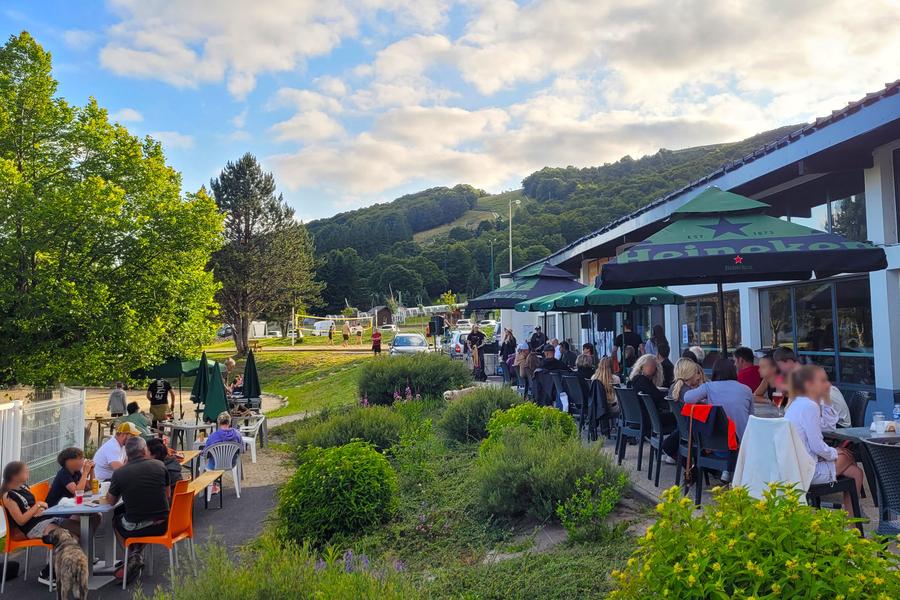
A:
x: 537, y: 340
x: 111, y: 455
x: 550, y: 362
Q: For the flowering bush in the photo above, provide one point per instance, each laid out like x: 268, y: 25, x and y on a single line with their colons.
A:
x: 401, y: 378
x: 584, y: 514
x: 739, y: 547
x: 378, y: 425
x: 532, y: 472
x: 270, y: 569
x: 342, y: 490
x: 531, y: 415
x: 466, y: 418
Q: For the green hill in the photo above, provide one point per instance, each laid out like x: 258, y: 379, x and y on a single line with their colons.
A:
x: 443, y: 238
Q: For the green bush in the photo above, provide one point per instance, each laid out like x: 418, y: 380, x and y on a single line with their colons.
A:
x: 529, y: 472
x: 404, y: 377
x: 269, y: 569
x: 378, y: 425
x: 584, y: 514
x: 414, y: 456
x: 342, y: 490
x: 466, y: 418
x: 531, y: 415
x: 740, y: 547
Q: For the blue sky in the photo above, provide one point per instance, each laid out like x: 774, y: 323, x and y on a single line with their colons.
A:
x: 351, y: 102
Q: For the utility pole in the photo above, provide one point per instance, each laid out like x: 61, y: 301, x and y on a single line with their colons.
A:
x: 492, y: 265
x: 517, y: 201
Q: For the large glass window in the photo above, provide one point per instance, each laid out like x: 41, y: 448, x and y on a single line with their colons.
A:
x: 848, y: 217
x: 818, y: 218
x: 698, y: 318
x: 808, y: 316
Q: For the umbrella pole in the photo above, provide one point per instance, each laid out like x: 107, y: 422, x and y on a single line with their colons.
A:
x: 722, y: 319
x: 180, y: 405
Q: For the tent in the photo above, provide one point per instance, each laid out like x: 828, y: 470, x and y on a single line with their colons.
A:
x: 532, y: 282
x: 720, y: 237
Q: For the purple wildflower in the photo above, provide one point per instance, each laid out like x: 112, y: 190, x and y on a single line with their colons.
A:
x: 320, y: 565
x: 399, y: 566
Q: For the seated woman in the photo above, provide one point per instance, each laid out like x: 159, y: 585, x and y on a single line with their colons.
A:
x: 584, y: 364
x: 808, y: 386
x: 604, y: 374
x: 725, y: 391
x: 646, y: 378
x: 768, y: 371
x: 159, y: 451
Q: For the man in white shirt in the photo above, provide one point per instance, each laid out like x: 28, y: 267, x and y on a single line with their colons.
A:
x: 111, y: 455
x: 787, y: 363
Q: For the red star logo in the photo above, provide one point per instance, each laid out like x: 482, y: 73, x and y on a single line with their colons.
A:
x: 738, y: 260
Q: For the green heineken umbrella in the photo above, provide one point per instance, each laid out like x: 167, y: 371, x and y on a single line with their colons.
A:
x: 251, y: 378
x: 589, y: 297
x: 214, y: 401
x: 720, y: 237
x: 535, y: 304
x: 535, y: 281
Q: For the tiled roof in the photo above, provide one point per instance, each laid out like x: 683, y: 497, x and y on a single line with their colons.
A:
x: 890, y: 89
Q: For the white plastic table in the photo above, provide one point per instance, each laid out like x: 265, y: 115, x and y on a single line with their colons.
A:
x: 99, y: 576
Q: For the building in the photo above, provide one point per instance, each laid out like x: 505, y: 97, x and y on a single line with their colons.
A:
x: 840, y: 173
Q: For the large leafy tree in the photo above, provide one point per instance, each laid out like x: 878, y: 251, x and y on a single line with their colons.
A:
x: 267, y: 264
x: 102, y: 261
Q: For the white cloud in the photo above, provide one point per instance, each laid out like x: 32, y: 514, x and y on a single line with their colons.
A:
x: 126, y: 115
x: 240, y: 120
x: 79, y: 39
x: 312, y: 125
x: 332, y: 86
x: 173, y: 139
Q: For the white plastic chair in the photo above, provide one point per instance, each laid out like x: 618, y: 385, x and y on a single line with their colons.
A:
x: 249, y: 433
x: 224, y: 456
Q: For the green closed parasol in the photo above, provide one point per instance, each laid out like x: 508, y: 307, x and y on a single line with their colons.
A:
x: 201, y: 382
x: 251, y: 378
x: 214, y: 401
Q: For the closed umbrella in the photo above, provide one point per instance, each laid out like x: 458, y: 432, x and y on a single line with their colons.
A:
x: 720, y: 237
x: 214, y: 401
x: 251, y: 378
x: 201, y: 381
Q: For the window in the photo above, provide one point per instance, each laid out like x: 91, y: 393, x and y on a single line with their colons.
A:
x: 849, y: 217
x: 828, y: 323
x: 698, y: 317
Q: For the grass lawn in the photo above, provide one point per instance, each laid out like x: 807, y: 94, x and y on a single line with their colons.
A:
x: 310, y: 381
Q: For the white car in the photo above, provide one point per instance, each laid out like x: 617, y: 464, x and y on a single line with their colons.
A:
x: 487, y: 323
x: 388, y: 327
x: 321, y: 327
x: 408, y: 343
x: 464, y: 324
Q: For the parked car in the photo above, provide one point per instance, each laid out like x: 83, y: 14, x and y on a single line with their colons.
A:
x: 388, y: 327
x: 464, y: 324
x: 455, y: 346
x: 487, y: 323
x: 225, y: 331
x: 320, y: 328
x: 408, y: 343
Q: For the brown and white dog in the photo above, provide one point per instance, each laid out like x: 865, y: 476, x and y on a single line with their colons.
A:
x: 70, y: 565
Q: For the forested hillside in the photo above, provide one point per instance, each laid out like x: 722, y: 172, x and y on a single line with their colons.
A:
x: 369, y: 253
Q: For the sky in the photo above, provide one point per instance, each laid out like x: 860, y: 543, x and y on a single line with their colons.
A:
x: 352, y: 102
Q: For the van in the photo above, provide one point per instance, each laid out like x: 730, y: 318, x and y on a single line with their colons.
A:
x: 321, y: 327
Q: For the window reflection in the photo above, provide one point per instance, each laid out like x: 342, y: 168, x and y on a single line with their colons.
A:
x: 700, y: 315
x: 777, y: 328
x: 818, y: 218
x: 849, y: 217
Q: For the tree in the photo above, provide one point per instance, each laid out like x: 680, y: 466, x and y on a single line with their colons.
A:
x: 102, y: 261
x: 267, y: 264
x: 343, y: 272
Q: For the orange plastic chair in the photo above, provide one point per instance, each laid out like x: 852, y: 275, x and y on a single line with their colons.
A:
x: 16, y: 541
x: 181, y: 527
x: 40, y: 491
x: 181, y: 486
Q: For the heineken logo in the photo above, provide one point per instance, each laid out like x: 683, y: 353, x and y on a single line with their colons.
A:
x: 648, y: 252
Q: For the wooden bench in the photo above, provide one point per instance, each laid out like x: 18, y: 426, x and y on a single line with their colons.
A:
x: 203, y: 481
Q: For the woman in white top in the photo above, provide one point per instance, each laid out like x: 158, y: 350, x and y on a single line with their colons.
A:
x: 808, y: 386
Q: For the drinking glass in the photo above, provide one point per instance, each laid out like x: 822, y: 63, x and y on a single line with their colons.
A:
x: 79, y: 496
x: 878, y: 422
x: 777, y: 400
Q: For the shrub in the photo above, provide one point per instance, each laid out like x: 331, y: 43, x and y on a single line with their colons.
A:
x: 584, y: 514
x: 269, y: 569
x: 466, y: 418
x: 740, y: 547
x: 377, y: 425
x: 340, y: 490
x: 425, y: 375
x: 532, y: 472
x: 414, y: 456
x: 531, y: 415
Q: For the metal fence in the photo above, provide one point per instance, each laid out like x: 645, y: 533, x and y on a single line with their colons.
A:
x: 48, y: 426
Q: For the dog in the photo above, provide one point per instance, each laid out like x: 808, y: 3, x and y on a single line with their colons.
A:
x: 70, y: 565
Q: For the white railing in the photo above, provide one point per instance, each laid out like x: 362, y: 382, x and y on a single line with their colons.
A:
x: 48, y: 426
x: 10, y: 432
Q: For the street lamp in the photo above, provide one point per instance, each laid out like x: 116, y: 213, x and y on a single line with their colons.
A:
x: 518, y: 202
x: 491, y: 242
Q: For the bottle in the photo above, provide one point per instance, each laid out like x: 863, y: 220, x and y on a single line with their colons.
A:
x: 95, y: 486
x: 896, y: 412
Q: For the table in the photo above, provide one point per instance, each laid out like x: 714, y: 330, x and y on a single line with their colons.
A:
x: 204, y: 480
x: 98, y: 577
x: 101, y: 421
x: 857, y: 435
x: 179, y: 429
x: 189, y: 460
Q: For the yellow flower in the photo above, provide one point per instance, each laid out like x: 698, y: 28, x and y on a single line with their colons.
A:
x: 716, y: 567
x: 691, y: 580
x: 776, y: 589
x: 719, y: 514
x: 731, y: 544
x: 751, y: 535
x: 713, y: 537
x: 660, y: 507
x: 877, y: 580
x: 791, y: 563
x: 677, y: 567
x: 761, y: 505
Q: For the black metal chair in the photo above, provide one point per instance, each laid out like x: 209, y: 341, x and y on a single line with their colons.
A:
x: 710, y: 448
x: 655, y: 438
x: 858, y: 402
x: 544, y: 388
x: 631, y: 423
x: 683, y: 424
x: 885, y: 460
x: 577, y: 391
x: 843, y: 484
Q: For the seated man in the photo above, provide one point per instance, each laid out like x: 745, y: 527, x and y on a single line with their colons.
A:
x: 111, y: 455
x: 143, y: 484
x: 74, y: 475
x: 550, y: 362
x: 136, y: 417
